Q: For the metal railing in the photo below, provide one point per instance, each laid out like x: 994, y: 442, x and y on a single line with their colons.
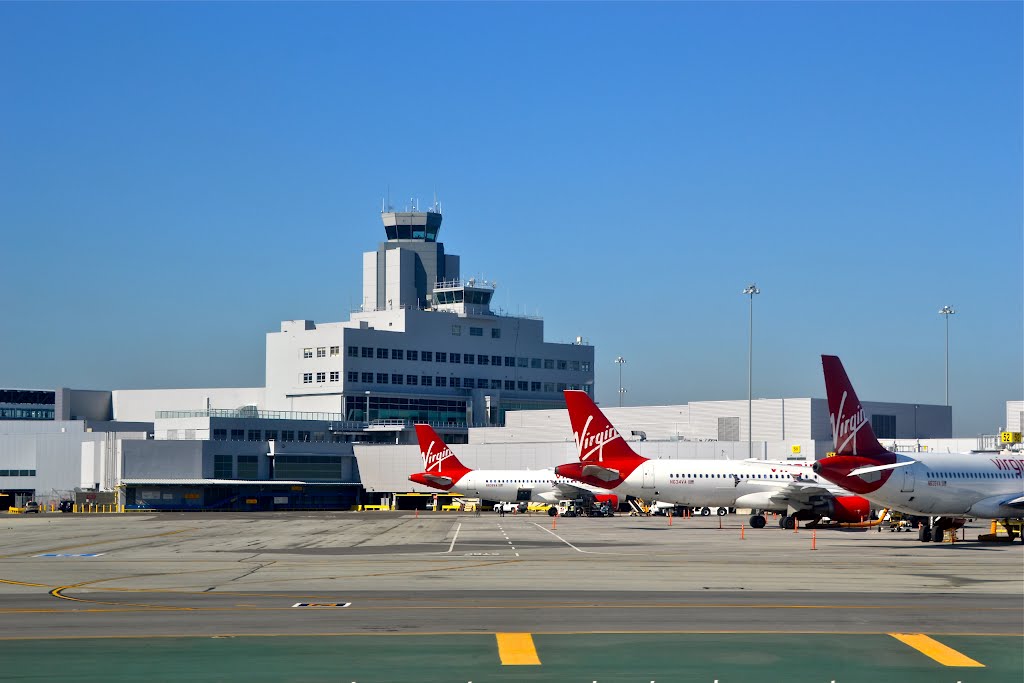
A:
x: 337, y: 421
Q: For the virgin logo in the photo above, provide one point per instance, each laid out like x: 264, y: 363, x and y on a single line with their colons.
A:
x: 844, y: 430
x: 433, y: 460
x: 587, y: 444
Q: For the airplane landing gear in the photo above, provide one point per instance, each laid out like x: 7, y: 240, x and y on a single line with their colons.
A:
x: 757, y: 521
x: 924, y: 533
x: 787, y: 522
x: 705, y: 511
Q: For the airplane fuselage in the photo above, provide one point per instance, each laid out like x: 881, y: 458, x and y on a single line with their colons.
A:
x: 937, y: 484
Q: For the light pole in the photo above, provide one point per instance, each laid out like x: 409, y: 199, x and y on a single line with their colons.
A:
x: 620, y: 361
x: 750, y: 291
x: 367, y: 407
x: 945, y: 312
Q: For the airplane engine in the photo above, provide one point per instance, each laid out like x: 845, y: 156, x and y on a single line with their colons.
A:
x: 845, y: 508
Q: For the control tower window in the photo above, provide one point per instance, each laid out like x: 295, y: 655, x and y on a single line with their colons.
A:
x: 432, y: 234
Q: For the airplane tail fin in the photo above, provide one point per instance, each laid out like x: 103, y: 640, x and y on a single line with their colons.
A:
x: 597, y: 441
x: 851, y: 429
x: 438, y: 459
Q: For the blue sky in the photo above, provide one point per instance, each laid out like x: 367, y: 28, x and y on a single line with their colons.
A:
x: 175, y: 179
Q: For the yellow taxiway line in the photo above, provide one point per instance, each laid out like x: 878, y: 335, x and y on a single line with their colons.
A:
x: 517, y: 649
x: 942, y: 654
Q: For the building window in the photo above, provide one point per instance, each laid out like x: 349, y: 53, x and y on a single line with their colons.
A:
x: 321, y: 352
x: 495, y: 333
x: 534, y: 386
x: 321, y: 377
x: 467, y: 358
x: 307, y: 378
x: 574, y: 365
x: 495, y: 384
x: 367, y: 351
x: 585, y: 365
x: 248, y: 466
x: 510, y: 361
x: 496, y: 360
x: 549, y: 387
x: 412, y: 379
x: 254, y: 435
x: 382, y: 354
x: 335, y: 350
x: 307, y: 353
x: 412, y: 355
x: 454, y: 358
x: 367, y: 377
x: 304, y: 436
x: 428, y: 356
x: 442, y: 357
x: 441, y: 381
x: 522, y: 362
x: 382, y: 378
x: 335, y: 375
x: 476, y: 332
x: 353, y: 352
x: 561, y: 387
x: 238, y: 435
x: 522, y: 386
x: 352, y: 376
x: 222, y: 466
x: 457, y: 330
x: 456, y: 382
x: 535, y: 363
x: 307, y: 467
x: 396, y: 354
x: 287, y: 435
x: 482, y: 359
x: 427, y: 380
x: 468, y: 382
x: 270, y: 435
x: 220, y: 435
x: 396, y: 378
x: 884, y: 426
x: 319, y: 436
x: 563, y: 365
x: 510, y: 385
x: 549, y: 364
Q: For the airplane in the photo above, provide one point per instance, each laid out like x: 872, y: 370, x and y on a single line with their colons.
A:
x: 444, y: 471
x: 606, y: 460
x: 942, y: 487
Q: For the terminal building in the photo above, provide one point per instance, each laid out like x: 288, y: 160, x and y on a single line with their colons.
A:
x: 332, y: 426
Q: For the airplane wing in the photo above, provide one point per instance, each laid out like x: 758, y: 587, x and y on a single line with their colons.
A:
x: 802, y: 493
x: 567, y: 490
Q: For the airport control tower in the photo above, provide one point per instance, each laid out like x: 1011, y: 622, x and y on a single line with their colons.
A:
x: 411, y: 269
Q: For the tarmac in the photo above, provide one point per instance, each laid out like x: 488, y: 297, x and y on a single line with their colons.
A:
x: 344, y: 589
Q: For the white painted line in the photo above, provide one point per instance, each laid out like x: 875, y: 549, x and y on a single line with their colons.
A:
x: 560, y: 538
x: 454, y: 538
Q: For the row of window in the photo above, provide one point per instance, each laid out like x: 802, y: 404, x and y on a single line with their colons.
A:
x: 321, y: 351
x: 465, y: 358
x: 321, y: 377
x: 26, y: 413
x: 295, y: 467
x: 271, y: 435
x: 973, y: 475
x: 17, y: 473
x: 730, y: 476
x: 440, y: 381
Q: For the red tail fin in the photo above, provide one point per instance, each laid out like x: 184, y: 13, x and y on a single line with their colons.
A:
x: 438, y: 459
x: 851, y: 430
x: 596, y: 440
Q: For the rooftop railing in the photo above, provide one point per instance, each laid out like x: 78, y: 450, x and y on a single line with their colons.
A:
x: 338, y: 421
